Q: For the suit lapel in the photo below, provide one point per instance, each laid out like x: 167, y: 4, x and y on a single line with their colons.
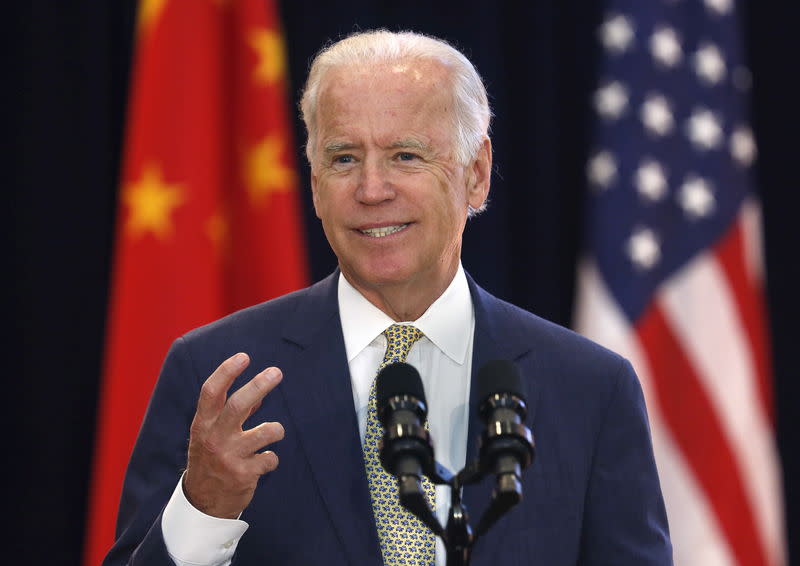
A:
x: 497, y: 337
x: 319, y: 397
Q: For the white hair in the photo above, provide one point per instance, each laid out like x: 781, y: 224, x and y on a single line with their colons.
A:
x: 472, y: 114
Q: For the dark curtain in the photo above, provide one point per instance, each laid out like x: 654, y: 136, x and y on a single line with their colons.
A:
x: 65, y: 104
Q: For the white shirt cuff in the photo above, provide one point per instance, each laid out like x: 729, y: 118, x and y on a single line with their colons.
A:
x: 193, y: 538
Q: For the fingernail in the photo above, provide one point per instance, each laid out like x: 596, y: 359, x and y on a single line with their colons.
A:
x: 240, y: 359
x: 272, y: 373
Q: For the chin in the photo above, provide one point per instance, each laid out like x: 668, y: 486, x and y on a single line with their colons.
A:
x: 381, y: 274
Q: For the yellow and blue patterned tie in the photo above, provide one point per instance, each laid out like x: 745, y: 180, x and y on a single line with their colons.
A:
x: 404, y: 539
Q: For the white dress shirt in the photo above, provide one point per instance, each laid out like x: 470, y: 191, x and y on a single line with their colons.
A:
x: 443, y: 358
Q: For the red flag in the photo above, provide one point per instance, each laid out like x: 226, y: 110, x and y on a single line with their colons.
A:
x: 209, y: 216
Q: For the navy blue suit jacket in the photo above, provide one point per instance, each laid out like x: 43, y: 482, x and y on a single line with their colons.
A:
x: 591, y: 497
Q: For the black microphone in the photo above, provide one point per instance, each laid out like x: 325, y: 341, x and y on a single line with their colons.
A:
x: 406, y: 450
x: 400, y: 400
x: 506, y: 446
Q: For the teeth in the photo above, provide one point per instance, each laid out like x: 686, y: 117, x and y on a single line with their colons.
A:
x: 384, y: 231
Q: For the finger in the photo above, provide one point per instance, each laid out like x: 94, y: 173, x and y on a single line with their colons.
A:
x: 264, y: 462
x: 215, y: 389
x: 239, y: 404
x: 259, y: 437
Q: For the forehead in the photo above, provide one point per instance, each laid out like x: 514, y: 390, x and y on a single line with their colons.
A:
x: 384, y: 99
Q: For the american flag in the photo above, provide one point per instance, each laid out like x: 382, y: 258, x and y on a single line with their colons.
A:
x: 672, y: 275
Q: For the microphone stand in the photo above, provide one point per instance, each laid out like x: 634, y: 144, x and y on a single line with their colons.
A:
x: 458, y: 536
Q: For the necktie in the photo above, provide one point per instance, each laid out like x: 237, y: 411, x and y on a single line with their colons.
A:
x: 404, y: 539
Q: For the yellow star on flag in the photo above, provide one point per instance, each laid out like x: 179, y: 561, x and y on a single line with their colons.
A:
x: 264, y: 170
x: 151, y: 202
x: 149, y: 11
x: 268, y: 46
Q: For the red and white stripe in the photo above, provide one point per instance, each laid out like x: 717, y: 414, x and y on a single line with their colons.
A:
x: 701, y: 353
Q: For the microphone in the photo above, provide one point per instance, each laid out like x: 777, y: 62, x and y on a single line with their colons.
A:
x: 406, y: 450
x: 506, y: 446
x: 401, y: 406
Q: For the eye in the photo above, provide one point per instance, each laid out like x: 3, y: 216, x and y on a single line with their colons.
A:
x: 406, y: 156
x: 343, y: 159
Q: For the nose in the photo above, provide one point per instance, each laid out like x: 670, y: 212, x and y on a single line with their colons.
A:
x: 374, y: 186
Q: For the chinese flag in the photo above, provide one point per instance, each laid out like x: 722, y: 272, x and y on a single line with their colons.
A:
x: 209, y: 215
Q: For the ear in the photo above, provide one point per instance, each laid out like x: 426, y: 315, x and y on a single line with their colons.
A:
x: 479, y: 175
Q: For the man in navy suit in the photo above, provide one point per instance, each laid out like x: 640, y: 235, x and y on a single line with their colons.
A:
x: 400, y: 158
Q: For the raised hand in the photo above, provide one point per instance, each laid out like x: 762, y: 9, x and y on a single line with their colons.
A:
x: 225, y: 462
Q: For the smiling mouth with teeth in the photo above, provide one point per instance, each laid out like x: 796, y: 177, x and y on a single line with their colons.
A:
x: 383, y: 231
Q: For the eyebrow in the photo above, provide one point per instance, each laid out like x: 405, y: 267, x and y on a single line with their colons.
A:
x: 406, y: 143
x: 409, y: 143
x: 335, y: 147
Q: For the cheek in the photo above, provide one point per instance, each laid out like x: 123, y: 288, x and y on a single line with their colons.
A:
x: 453, y: 204
x: 327, y: 198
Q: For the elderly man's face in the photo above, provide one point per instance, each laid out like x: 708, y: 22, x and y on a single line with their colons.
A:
x: 390, y: 194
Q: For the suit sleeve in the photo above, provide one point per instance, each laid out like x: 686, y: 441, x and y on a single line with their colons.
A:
x: 625, y: 521
x: 156, y: 465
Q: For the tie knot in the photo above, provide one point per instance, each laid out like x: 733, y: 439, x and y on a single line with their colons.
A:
x: 399, y: 339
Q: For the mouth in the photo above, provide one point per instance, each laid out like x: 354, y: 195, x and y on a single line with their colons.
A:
x: 383, y: 231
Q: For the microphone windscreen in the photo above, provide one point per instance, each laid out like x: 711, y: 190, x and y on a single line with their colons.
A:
x: 398, y: 378
x: 499, y: 376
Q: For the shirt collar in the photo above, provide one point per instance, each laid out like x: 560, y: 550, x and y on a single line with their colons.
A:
x: 447, y: 323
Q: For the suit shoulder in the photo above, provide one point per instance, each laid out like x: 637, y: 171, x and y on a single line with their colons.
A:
x: 564, y: 367
x: 559, y: 346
